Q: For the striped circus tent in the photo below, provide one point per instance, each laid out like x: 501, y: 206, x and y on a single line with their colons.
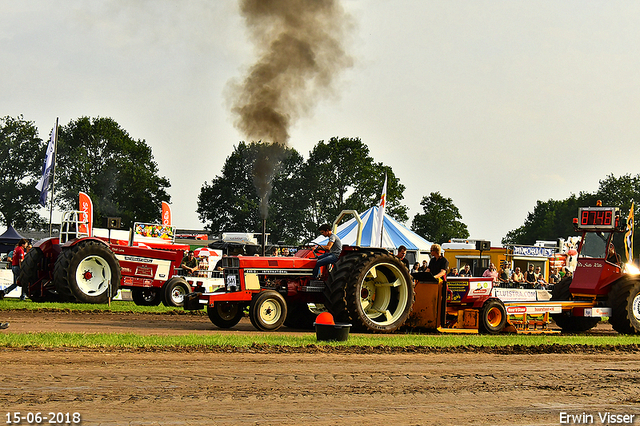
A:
x: 394, y: 233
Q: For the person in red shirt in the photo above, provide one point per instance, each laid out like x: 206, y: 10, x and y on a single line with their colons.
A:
x: 16, y: 263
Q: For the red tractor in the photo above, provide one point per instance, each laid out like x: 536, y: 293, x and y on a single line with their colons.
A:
x: 599, y: 286
x: 368, y: 287
x: 82, y: 268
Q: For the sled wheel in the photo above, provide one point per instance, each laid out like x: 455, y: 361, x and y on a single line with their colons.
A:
x: 376, y: 289
x: 624, y: 299
x: 268, y: 310
x: 493, y: 317
x: 85, y: 270
x: 146, y: 296
x: 175, y: 291
x: 225, y: 314
x: 566, y: 321
x: 300, y: 316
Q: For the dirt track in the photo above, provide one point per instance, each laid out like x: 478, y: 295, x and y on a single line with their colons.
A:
x: 162, y: 387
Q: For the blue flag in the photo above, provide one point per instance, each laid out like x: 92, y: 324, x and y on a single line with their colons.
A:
x: 43, y: 184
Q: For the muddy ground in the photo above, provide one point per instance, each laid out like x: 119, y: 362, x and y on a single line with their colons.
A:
x: 265, y: 386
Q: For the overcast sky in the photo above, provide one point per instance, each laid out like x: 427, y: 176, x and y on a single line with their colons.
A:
x: 495, y: 104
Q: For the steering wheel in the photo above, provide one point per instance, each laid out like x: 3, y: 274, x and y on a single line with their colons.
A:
x: 318, y: 250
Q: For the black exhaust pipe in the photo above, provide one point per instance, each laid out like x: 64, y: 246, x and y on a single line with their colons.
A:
x: 264, y: 237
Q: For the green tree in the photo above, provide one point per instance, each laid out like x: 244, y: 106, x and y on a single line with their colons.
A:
x: 340, y: 174
x: 440, y: 221
x: 21, y: 158
x: 231, y: 202
x: 553, y: 219
x: 97, y: 156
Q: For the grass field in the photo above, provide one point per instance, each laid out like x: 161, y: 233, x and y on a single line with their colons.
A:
x: 297, y: 339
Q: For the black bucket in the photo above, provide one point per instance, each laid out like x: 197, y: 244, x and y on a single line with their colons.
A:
x: 332, y: 332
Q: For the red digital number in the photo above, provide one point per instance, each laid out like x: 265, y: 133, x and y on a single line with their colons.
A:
x: 607, y: 217
x: 599, y: 218
x: 584, y: 220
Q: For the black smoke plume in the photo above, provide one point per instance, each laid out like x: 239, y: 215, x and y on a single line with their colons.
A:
x: 299, y: 46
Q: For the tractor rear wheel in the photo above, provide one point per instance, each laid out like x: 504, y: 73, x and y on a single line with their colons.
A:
x: 624, y: 299
x: 85, y: 272
x: 175, y: 291
x: 493, y: 317
x: 564, y: 320
x: 376, y: 289
x: 268, y: 310
x: 225, y: 314
x: 148, y: 296
x: 35, y: 277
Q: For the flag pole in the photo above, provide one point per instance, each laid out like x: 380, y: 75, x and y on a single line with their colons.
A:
x: 53, y: 175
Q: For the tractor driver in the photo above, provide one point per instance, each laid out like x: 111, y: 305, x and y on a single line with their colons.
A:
x: 438, y: 265
x: 333, y: 247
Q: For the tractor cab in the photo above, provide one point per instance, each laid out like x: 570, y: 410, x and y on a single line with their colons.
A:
x: 599, y: 265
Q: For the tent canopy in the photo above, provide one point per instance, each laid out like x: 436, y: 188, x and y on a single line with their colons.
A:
x: 394, y: 234
x: 9, y: 239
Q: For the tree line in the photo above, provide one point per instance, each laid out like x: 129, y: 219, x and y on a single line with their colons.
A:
x: 97, y: 156
x: 553, y: 219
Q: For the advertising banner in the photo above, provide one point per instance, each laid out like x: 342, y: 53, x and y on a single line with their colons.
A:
x: 86, y: 205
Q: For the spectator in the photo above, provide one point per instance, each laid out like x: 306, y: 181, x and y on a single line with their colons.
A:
x: 539, y: 274
x: 466, y: 271
x: 567, y: 272
x: 438, y: 265
x: 517, y: 276
x: 218, y: 266
x: 16, y: 264
x: 541, y: 283
x: 505, y: 273
x: 285, y: 251
x: 189, y: 263
x: 454, y: 272
x: 491, y: 272
x: 203, y: 266
x: 554, y: 277
x: 416, y: 267
x: 530, y: 276
x: 402, y: 252
x: 424, y: 266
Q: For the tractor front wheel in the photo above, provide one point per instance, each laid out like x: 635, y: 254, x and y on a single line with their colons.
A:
x: 300, y: 316
x: 175, y: 291
x: 493, y: 317
x: 225, y: 314
x: 146, y: 296
x: 268, y: 310
x: 624, y: 299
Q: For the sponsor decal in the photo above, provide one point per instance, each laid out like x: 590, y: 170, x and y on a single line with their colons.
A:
x: 144, y: 270
x: 277, y: 271
x: 511, y: 310
x: 590, y: 264
x: 138, y: 259
x: 533, y: 251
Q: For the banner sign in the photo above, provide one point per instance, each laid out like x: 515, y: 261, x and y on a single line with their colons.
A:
x: 86, y: 205
x: 153, y: 233
x: 533, y: 251
x: 166, y: 213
